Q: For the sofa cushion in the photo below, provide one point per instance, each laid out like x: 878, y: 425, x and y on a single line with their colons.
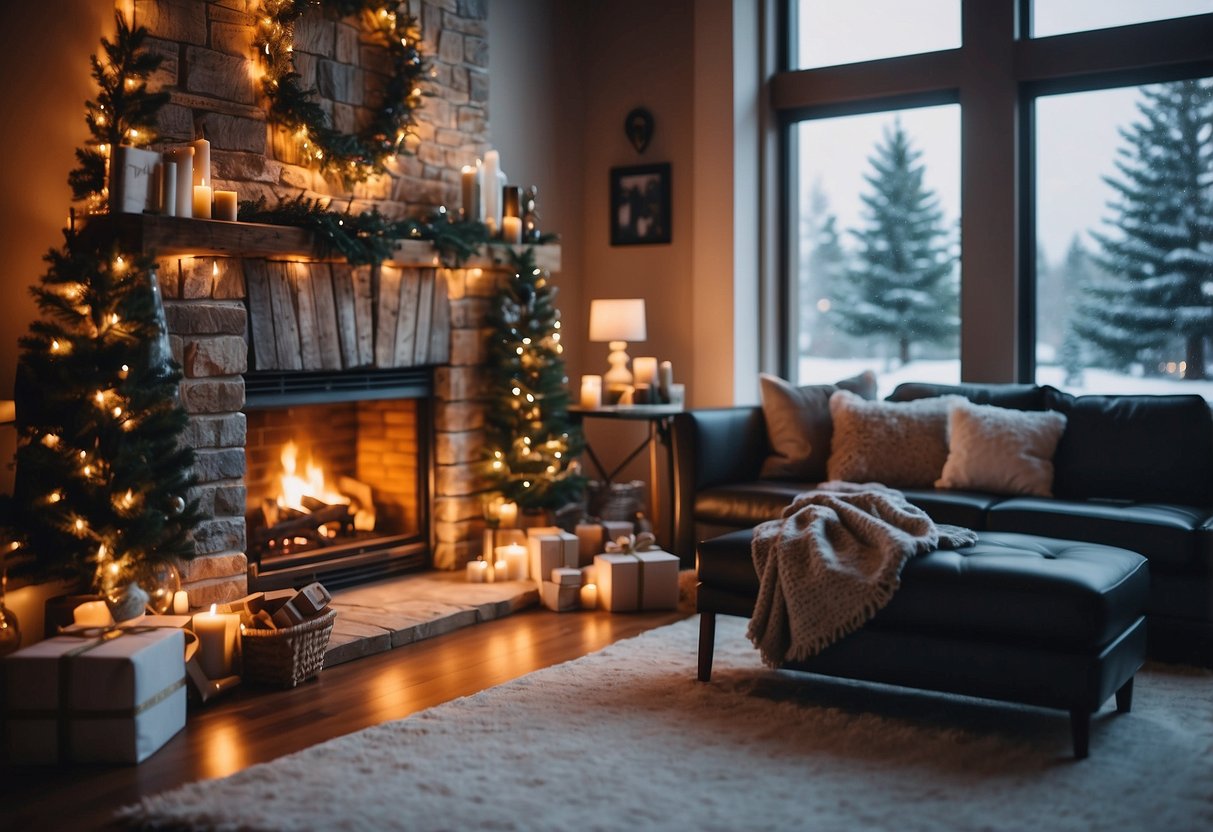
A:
x: 1143, y: 448
x: 746, y: 503
x: 1165, y: 534
x: 902, y: 445
x: 1015, y: 396
x: 1001, y: 450
x: 799, y: 425
x: 960, y: 508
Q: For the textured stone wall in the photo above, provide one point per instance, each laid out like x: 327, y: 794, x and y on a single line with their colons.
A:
x: 211, y: 72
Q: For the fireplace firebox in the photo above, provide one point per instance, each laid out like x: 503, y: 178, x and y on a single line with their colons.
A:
x: 337, y: 476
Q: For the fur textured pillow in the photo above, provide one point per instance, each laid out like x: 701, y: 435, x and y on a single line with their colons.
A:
x: 899, y: 444
x: 1001, y: 451
x: 798, y: 424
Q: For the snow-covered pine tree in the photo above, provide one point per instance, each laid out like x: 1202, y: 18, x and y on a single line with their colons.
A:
x: 1156, y: 294
x: 903, y: 285
x: 823, y: 265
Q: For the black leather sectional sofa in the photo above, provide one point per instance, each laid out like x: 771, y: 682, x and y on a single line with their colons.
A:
x: 1134, y: 472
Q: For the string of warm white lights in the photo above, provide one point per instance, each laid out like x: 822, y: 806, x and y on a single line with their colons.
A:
x: 354, y: 157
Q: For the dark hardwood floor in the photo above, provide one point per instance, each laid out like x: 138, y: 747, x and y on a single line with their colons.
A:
x: 252, y: 726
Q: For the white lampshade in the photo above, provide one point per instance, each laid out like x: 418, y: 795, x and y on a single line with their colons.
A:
x: 619, y: 319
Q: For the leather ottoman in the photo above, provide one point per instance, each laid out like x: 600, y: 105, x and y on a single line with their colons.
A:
x: 1014, y: 617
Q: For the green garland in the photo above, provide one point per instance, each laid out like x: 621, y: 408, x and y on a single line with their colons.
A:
x: 369, y: 237
x: 352, y: 157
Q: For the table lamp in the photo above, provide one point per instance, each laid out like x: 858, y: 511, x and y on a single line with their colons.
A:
x: 617, y: 321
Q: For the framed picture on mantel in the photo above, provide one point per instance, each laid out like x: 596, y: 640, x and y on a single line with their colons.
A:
x: 640, y: 205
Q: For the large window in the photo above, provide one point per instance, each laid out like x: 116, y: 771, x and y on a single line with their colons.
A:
x: 1002, y: 208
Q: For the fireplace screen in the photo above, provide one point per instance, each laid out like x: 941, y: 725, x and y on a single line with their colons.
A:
x: 335, y: 491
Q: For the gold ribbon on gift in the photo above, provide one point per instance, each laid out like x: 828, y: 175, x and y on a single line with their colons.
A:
x: 94, y: 637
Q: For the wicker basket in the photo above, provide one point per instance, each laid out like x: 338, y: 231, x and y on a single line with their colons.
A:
x: 284, y: 658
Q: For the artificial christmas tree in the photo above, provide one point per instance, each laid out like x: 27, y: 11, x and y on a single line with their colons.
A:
x: 531, y: 443
x: 102, y: 478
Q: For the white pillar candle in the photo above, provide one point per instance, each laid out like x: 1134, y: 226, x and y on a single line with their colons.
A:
x: 501, y: 570
x: 508, y: 513
x: 589, y: 596
x: 490, y: 191
x: 202, y: 202
x: 181, y: 602
x: 591, y: 391
x: 478, y: 571
x: 184, y: 159
x: 226, y: 204
x: 470, y: 192
x: 217, y: 634
x: 202, y: 162
x: 644, y: 370
x: 665, y: 379
x: 93, y: 614
x: 511, y: 229
x: 168, y: 188
x: 514, y: 556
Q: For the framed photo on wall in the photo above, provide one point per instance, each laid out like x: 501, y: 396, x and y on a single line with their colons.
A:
x: 640, y: 205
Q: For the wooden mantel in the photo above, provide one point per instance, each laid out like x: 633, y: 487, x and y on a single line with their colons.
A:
x: 182, y: 237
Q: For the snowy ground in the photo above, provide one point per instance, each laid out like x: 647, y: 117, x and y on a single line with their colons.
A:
x: 828, y: 370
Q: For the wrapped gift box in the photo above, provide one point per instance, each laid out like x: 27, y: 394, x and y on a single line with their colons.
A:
x: 615, y: 529
x: 645, y: 580
x: 113, y: 699
x: 551, y: 550
x: 559, y: 598
x: 566, y: 576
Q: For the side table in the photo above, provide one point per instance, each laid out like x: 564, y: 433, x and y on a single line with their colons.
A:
x: 658, y: 417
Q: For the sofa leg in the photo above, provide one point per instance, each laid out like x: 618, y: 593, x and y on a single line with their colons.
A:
x: 707, y: 644
x: 1124, y: 697
x: 1080, y: 732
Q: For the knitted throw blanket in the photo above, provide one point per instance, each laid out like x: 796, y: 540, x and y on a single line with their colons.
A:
x: 832, y: 561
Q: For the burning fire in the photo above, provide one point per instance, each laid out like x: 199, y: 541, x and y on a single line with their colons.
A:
x: 295, y: 487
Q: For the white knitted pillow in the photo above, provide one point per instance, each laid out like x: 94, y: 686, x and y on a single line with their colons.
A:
x: 899, y: 444
x: 1001, y: 451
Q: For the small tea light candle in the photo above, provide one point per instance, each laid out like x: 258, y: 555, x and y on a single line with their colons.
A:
x: 92, y: 614
x: 181, y: 602
x: 644, y: 370
x: 591, y: 391
x: 589, y: 596
x: 508, y: 515
x: 202, y: 201
x: 217, y: 634
x: 501, y: 571
x: 225, y: 205
x: 511, y: 229
x: 478, y: 571
x: 514, y: 556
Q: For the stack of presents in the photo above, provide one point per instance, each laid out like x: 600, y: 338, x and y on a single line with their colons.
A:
x: 105, y: 691
x: 603, y: 565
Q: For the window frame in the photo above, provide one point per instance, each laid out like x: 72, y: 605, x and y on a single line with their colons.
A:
x: 996, y: 75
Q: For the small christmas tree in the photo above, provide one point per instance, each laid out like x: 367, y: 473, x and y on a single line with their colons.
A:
x: 531, y: 443
x: 102, y: 477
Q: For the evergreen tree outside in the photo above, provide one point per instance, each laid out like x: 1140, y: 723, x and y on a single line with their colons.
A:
x: 903, y: 285
x: 1156, y: 296
x: 102, y: 479
x: 531, y: 443
x: 823, y: 266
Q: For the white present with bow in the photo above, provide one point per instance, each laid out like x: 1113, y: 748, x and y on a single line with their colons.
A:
x: 114, y: 695
x: 635, y: 574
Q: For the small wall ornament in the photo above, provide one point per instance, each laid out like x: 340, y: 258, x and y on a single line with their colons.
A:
x: 639, y: 128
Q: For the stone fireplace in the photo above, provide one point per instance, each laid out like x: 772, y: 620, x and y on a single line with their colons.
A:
x: 234, y: 408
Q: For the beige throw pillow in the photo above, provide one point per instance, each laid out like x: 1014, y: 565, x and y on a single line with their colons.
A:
x: 899, y: 444
x: 798, y: 424
x: 1001, y: 451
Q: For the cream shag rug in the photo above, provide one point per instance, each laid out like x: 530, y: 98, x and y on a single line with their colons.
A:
x: 626, y: 739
